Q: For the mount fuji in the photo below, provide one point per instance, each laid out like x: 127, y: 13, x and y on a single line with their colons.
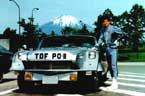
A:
x: 58, y: 23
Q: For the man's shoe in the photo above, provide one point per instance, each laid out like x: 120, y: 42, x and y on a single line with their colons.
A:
x: 114, y: 85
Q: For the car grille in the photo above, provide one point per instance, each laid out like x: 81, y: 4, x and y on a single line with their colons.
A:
x: 49, y: 65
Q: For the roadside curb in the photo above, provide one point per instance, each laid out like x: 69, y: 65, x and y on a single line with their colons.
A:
x: 7, y: 91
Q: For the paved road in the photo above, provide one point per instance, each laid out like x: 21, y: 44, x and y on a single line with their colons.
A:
x: 131, y: 83
x: 131, y: 79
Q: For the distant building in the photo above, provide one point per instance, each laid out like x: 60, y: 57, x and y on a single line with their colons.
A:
x: 10, y: 43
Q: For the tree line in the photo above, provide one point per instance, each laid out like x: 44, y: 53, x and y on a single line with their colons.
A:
x: 132, y: 22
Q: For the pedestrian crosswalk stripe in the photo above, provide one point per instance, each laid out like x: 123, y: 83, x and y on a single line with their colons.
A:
x: 68, y: 95
x: 123, y: 91
x: 131, y: 79
x: 128, y: 84
x: 132, y: 73
x: 138, y: 83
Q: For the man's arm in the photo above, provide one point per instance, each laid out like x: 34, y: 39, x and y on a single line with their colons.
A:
x: 121, y: 35
x: 117, y: 30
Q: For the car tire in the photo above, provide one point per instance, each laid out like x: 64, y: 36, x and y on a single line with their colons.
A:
x: 87, y: 83
x: 23, y: 84
x: 1, y: 77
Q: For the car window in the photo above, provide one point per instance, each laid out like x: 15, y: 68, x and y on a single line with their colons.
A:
x: 2, y: 48
x: 86, y: 45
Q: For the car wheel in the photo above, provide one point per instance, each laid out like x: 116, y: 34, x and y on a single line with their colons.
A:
x: 1, y: 77
x: 87, y: 83
x: 23, y: 84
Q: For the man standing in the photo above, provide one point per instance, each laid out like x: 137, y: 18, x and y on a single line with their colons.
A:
x: 106, y: 39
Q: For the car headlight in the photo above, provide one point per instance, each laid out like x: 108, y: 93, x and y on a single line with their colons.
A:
x: 22, y: 56
x: 92, y: 55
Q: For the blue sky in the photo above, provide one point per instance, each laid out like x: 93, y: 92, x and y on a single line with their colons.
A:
x: 85, y: 10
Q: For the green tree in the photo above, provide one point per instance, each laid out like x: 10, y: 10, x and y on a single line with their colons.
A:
x: 123, y: 21
x: 13, y: 37
x: 52, y: 33
x: 83, y: 30
x: 69, y: 30
x: 31, y: 33
x: 75, y: 31
x: 9, y: 33
x: 136, y: 21
x: 98, y: 26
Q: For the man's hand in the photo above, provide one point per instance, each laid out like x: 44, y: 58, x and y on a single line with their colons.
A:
x: 116, y: 42
x: 95, y: 47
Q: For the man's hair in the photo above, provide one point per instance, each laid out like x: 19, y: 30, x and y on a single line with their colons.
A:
x: 106, y: 17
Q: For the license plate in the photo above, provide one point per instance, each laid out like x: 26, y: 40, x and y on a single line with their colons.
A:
x: 49, y: 56
x: 50, y: 80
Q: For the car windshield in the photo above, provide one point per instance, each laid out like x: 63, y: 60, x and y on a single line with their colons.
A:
x: 71, y: 41
x: 2, y: 48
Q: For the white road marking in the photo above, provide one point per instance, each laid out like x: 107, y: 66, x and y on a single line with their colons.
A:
x: 129, y: 76
x: 132, y: 93
x: 68, y: 95
x: 132, y: 73
x: 7, y: 91
x: 130, y: 79
x: 128, y: 84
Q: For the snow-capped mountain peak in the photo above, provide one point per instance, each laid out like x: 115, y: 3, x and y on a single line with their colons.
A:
x: 58, y: 23
x: 66, y: 20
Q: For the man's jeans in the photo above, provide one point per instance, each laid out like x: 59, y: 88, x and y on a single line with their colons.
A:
x: 111, y: 54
